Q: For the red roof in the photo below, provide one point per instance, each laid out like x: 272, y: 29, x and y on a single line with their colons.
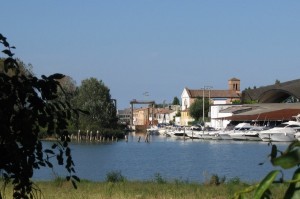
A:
x: 285, y: 114
x: 213, y: 93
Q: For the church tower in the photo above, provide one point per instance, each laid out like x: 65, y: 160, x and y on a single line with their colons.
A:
x: 234, y: 85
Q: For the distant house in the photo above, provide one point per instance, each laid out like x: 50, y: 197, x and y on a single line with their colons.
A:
x: 124, y: 116
x: 164, y: 115
x: 219, y: 97
x: 143, y: 116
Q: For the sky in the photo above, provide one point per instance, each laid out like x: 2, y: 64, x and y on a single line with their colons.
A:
x: 157, y: 46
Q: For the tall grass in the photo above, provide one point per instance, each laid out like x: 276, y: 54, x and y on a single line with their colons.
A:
x: 158, y: 188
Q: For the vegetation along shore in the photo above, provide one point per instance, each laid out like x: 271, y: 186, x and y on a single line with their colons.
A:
x: 117, y: 187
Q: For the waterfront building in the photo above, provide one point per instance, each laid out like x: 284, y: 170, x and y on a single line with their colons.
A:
x: 264, y: 105
x: 216, y: 97
x: 285, y: 92
x: 143, y: 116
x: 124, y: 116
x: 164, y: 115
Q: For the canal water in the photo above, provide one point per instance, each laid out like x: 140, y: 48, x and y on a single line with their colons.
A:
x: 189, y: 160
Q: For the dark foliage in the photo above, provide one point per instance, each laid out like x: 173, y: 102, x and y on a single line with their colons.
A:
x: 27, y: 104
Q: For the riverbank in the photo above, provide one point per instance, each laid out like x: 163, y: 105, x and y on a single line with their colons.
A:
x: 146, y: 190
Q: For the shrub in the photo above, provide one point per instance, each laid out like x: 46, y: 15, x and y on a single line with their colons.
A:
x: 216, y: 180
x: 159, y: 179
x: 235, y: 181
x: 115, y: 176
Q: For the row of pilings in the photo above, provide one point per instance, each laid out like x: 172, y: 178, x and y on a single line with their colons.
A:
x: 92, y: 136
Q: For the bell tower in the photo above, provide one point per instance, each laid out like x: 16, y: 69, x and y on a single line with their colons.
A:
x: 234, y: 85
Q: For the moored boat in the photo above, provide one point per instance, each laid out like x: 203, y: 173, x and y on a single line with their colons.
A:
x: 250, y: 133
x: 285, y: 132
x: 153, y: 130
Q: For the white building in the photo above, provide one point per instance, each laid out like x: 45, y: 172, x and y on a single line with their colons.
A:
x: 216, y: 97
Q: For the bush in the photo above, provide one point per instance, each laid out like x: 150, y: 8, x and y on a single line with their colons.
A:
x: 235, y: 181
x: 115, y: 176
x: 159, y: 179
x: 216, y: 180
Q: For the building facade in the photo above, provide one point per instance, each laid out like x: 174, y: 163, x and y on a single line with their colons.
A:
x: 124, y: 116
x: 216, y: 97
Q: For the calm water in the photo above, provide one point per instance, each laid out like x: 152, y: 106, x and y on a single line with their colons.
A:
x: 173, y: 159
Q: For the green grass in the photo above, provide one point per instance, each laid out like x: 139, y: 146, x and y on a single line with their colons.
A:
x: 140, y: 190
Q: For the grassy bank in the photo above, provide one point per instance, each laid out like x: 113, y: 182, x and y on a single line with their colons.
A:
x: 146, y: 190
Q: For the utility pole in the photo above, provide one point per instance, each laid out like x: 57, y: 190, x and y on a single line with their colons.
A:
x: 203, y: 105
x: 203, y: 99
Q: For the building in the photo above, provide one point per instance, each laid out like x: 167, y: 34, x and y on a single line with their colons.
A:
x: 164, y: 115
x: 215, y: 97
x: 124, y: 116
x: 143, y: 116
x: 270, y: 104
x: 220, y: 113
x: 288, y: 92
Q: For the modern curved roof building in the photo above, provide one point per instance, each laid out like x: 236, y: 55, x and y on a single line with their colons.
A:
x: 277, y: 93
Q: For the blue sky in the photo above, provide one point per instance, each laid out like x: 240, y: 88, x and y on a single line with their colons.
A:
x: 157, y: 46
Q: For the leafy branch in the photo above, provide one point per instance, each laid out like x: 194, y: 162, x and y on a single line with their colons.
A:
x: 290, y: 158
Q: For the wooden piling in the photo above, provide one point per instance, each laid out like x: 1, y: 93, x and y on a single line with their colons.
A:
x: 78, y: 135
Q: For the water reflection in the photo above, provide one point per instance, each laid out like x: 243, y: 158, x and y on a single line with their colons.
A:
x: 191, y: 160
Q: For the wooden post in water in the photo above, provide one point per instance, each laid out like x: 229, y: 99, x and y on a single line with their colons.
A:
x: 78, y: 135
x: 147, y: 137
x: 192, y: 134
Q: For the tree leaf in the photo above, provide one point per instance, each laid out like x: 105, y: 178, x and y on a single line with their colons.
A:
x: 273, y: 152
x: 8, y: 52
x: 288, y: 160
x: 74, y: 184
x: 76, y: 178
x: 49, y: 151
x: 293, y: 189
x: 49, y: 164
x: 265, y: 184
x: 56, y: 76
x: 54, y: 146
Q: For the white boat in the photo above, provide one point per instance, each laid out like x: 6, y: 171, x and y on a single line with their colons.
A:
x: 194, y: 132
x: 285, y: 132
x: 239, y: 131
x: 177, y: 132
x: 209, y: 133
x: 250, y: 133
x: 153, y: 130
x: 225, y: 133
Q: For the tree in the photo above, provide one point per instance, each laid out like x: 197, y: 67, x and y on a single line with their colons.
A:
x: 196, y: 108
x: 28, y: 103
x: 93, y: 96
x: 176, y: 101
x: 24, y: 69
x: 67, y: 89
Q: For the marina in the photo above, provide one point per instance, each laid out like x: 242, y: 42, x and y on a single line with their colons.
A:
x: 284, y: 132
